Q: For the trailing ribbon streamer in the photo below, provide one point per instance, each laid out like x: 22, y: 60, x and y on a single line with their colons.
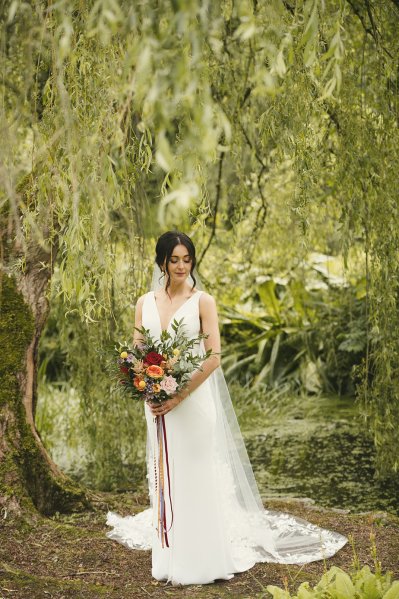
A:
x: 162, y: 527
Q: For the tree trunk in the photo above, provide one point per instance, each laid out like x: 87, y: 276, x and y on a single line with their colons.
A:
x: 28, y: 476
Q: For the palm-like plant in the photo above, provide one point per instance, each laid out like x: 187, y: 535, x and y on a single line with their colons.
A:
x: 309, y: 330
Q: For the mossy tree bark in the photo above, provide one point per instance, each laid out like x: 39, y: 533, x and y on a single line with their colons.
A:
x: 28, y: 477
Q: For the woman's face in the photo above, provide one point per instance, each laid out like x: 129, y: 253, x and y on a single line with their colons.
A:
x: 179, y: 263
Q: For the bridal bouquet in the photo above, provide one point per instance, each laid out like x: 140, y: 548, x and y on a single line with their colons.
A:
x: 156, y: 369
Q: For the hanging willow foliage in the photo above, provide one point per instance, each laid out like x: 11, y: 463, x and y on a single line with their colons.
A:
x: 209, y: 113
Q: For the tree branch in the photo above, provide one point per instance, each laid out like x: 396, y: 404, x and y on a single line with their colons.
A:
x: 251, y: 145
x: 289, y: 7
x: 371, y: 18
x: 263, y: 208
x: 373, y: 31
x: 215, y: 211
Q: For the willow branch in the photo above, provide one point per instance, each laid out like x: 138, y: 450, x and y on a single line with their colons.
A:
x: 372, y: 31
x: 215, y: 210
x: 263, y: 208
x: 252, y: 146
x: 289, y: 7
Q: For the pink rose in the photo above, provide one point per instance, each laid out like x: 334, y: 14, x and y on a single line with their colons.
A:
x: 168, y: 384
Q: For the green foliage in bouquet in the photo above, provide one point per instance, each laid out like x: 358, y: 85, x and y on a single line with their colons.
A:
x: 153, y: 370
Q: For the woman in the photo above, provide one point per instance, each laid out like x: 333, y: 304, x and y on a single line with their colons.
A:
x: 217, y: 524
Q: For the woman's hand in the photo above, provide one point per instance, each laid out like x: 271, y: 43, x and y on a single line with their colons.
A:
x: 160, y: 409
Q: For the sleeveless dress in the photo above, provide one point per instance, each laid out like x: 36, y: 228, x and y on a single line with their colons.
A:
x: 212, y: 532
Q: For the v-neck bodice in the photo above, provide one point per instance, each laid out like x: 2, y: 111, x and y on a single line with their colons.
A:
x: 171, y: 319
x: 189, y: 311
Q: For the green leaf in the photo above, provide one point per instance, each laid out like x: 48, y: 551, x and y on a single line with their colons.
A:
x: 163, y: 155
x: 371, y: 587
x: 267, y: 293
x: 304, y: 592
x: 277, y: 593
x: 393, y: 592
x: 344, y: 586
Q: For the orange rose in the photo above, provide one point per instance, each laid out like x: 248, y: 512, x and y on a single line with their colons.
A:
x: 155, y: 372
x: 139, y: 383
x: 156, y: 388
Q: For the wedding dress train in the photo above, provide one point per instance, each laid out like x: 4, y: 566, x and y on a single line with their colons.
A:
x: 218, y: 525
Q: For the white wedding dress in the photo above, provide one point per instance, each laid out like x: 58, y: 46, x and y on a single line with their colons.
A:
x: 219, y: 524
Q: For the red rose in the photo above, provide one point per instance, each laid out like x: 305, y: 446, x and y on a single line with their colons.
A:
x: 124, y: 369
x: 153, y: 358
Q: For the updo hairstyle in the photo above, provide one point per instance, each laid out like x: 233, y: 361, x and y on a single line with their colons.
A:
x: 164, y: 249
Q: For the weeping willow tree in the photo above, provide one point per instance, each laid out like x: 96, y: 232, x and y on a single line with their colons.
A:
x: 118, y: 119
x: 70, y: 174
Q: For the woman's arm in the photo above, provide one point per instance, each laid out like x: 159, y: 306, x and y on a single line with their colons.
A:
x: 210, y: 327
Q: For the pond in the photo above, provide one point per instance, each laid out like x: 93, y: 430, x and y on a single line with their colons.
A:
x: 330, y: 463
x: 313, y: 447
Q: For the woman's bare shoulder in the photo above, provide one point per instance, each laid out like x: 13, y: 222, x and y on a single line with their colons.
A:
x: 140, y: 300
x: 207, y: 300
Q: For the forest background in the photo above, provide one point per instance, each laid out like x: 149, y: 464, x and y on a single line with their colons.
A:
x: 268, y: 132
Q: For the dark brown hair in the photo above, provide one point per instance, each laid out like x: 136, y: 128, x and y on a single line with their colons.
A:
x: 164, y: 250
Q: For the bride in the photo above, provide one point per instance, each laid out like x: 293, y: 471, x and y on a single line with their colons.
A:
x: 216, y: 524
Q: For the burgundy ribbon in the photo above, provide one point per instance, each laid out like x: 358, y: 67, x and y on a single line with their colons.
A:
x: 161, y: 435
